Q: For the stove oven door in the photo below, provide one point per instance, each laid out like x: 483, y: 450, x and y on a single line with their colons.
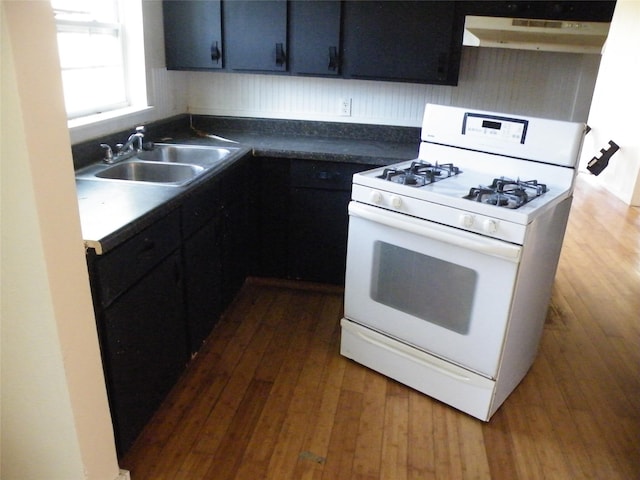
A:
x: 443, y: 290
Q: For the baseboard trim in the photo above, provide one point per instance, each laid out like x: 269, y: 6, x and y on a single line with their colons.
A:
x: 123, y: 475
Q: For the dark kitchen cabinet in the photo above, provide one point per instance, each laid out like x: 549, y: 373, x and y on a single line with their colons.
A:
x: 238, y: 242
x: 273, y: 209
x: 255, y: 35
x: 409, y: 41
x: 193, y: 34
x: 203, y: 282
x: 202, y: 254
x: 320, y: 194
x: 413, y: 41
x: 216, y: 229
x: 137, y: 291
x: 314, y: 32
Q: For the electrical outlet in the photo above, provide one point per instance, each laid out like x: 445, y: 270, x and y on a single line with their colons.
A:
x: 345, y: 107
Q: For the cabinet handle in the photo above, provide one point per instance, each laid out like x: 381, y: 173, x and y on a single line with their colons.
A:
x: 281, y: 56
x: 333, y: 58
x: 327, y: 176
x: 215, y: 52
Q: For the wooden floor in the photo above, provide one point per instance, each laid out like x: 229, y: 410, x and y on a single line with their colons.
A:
x: 270, y: 397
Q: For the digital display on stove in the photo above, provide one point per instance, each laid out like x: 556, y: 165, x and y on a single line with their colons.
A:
x: 490, y: 124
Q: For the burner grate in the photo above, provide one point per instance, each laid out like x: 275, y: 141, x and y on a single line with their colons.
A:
x: 504, y: 192
x: 420, y: 173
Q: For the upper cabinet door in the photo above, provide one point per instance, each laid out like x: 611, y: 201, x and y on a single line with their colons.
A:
x: 414, y: 41
x: 314, y: 32
x: 193, y: 34
x: 256, y: 35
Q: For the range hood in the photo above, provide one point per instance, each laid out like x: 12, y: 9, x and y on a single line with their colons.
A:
x: 531, y: 34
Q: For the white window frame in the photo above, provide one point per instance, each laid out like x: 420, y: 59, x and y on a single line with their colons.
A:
x: 132, y: 39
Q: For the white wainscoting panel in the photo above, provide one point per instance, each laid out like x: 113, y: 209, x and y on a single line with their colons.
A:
x: 552, y: 85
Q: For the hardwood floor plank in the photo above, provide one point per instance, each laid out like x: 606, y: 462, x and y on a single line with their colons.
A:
x: 526, y: 456
x: 342, y: 444
x: 240, y: 362
x: 264, y: 441
x: 229, y: 455
x: 447, y: 454
x: 315, y: 447
x: 367, y: 455
x: 303, y: 406
x: 473, y: 452
x: 394, y: 454
x: 499, y: 448
x: 420, y: 457
x: 547, y: 445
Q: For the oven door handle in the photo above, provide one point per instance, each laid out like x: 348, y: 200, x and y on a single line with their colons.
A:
x: 425, y: 228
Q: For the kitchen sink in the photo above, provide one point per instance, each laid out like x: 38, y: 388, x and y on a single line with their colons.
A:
x: 155, y: 172
x: 166, y: 164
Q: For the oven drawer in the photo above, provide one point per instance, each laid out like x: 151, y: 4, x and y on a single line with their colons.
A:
x: 453, y: 385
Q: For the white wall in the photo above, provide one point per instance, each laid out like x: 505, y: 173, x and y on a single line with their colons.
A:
x: 553, y: 85
x: 616, y: 105
x: 55, y: 420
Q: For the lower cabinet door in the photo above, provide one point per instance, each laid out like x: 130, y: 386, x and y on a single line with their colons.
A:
x: 145, y: 348
x: 203, y: 282
x: 318, y: 234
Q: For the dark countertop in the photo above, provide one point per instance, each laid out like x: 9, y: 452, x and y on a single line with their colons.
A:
x: 113, y: 211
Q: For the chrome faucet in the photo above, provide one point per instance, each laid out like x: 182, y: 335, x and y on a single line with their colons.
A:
x: 132, y: 146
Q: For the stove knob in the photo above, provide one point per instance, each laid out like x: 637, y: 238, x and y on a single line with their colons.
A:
x: 466, y: 220
x: 396, y: 202
x: 376, y: 197
x: 490, y: 226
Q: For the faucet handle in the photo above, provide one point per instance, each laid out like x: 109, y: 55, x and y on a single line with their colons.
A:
x: 108, y: 154
x: 140, y: 129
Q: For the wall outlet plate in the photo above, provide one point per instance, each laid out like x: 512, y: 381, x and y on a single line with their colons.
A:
x: 345, y: 107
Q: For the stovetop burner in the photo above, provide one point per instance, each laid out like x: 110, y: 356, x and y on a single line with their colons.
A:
x: 420, y: 173
x: 504, y: 192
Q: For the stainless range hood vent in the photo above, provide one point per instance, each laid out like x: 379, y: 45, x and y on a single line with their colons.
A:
x: 532, y: 34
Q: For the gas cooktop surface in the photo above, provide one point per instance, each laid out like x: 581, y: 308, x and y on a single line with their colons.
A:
x: 498, y: 192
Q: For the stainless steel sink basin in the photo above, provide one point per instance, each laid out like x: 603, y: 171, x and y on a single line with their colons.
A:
x: 167, y: 164
x: 176, y: 174
x: 190, y: 154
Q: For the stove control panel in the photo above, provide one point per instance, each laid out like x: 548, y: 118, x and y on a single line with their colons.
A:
x: 486, y: 225
x: 502, y: 129
x: 454, y: 217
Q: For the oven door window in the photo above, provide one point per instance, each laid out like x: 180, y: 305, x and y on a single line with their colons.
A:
x: 420, y: 285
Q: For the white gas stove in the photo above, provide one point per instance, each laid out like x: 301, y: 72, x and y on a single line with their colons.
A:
x: 451, y: 256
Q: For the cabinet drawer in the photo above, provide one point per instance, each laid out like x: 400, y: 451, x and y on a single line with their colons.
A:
x: 123, y: 266
x: 324, y: 175
x: 201, y: 207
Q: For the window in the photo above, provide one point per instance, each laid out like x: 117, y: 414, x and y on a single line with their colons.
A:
x: 97, y: 58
